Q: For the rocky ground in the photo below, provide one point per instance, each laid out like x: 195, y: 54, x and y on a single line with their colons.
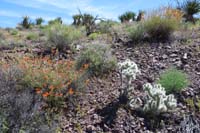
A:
x: 100, y: 110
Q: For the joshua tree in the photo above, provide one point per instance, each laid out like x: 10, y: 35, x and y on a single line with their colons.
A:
x: 77, y: 19
x: 127, y: 17
x: 86, y: 20
x: 39, y: 21
x: 26, y: 22
x: 190, y: 8
x: 140, y: 16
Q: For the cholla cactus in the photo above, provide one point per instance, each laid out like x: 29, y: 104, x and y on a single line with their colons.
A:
x: 158, y: 102
x: 128, y: 70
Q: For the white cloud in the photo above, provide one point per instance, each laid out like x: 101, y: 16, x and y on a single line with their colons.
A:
x: 68, y: 7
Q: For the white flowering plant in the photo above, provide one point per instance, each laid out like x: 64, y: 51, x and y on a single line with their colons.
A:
x: 128, y: 70
x: 157, y: 101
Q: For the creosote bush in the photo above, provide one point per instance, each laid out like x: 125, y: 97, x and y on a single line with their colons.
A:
x: 136, y: 33
x: 98, y: 57
x: 105, y: 26
x: 62, y: 36
x: 159, y: 28
x: 173, y: 80
x: 32, y: 36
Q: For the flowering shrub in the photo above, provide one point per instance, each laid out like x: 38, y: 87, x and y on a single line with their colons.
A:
x: 53, y: 80
x: 157, y: 100
x: 174, y: 13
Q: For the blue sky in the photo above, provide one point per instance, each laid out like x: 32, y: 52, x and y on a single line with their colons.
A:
x: 11, y: 11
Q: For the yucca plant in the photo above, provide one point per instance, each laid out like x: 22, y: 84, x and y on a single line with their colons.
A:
x: 190, y: 8
x: 39, y: 21
x: 140, y: 15
x: 86, y: 20
x: 127, y: 17
x: 26, y: 23
x: 77, y: 19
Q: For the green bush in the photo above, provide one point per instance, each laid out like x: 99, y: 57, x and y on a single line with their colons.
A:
x: 58, y: 20
x: 105, y: 26
x: 32, y: 36
x: 159, y: 28
x: 136, y: 33
x: 62, y: 36
x: 173, y: 80
x: 127, y: 17
x: 14, y: 32
x: 93, y: 36
x: 98, y: 57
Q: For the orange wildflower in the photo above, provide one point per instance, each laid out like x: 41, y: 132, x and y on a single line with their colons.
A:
x: 51, y: 87
x: 85, y: 66
x: 46, y: 94
x: 58, y: 94
x: 38, y: 90
x: 71, y: 91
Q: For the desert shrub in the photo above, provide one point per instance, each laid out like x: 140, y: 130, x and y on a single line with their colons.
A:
x: 159, y: 28
x: 98, y: 57
x: 93, y: 36
x: 172, y: 13
x: 53, y: 80
x: 62, y: 36
x: 58, y: 20
x: 32, y: 36
x: 136, y: 33
x: 127, y: 17
x: 19, y: 103
x: 105, y: 26
x: 13, y: 32
x: 39, y: 21
x: 173, y: 80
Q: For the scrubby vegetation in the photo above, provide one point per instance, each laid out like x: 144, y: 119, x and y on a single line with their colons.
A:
x: 62, y: 36
x: 100, y: 75
x: 173, y: 80
x: 99, y: 58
